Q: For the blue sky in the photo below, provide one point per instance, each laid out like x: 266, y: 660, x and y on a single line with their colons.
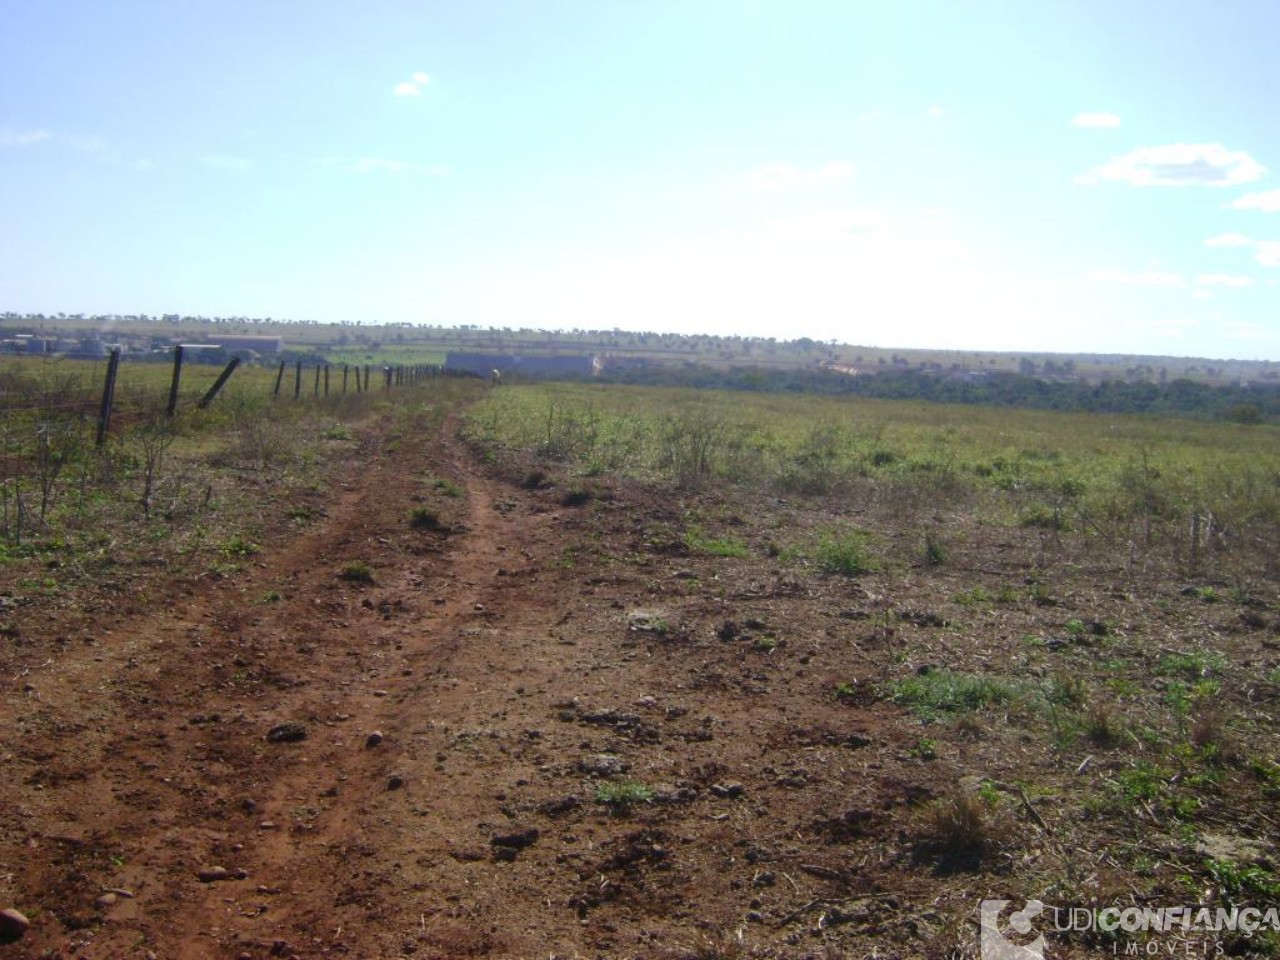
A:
x: 1033, y: 176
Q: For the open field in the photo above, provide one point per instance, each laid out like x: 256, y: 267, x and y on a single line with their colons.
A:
x: 572, y: 671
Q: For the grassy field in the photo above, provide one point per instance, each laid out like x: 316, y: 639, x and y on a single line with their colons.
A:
x: 192, y: 489
x: 1075, y: 613
x: 1203, y: 494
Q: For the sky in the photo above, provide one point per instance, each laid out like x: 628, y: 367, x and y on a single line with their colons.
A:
x: 1093, y: 176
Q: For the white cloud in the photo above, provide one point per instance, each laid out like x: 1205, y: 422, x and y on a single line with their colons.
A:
x: 1180, y: 165
x: 786, y: 176
x: 870, y: 116
x: 411, y: 87
x: 1096, y: 121
x: 1229, y: 240
x: 23, y: 138
x: 366, y: 165
x: 1144, y: 278
x: 935, y: 111
x: 1268, y: 201
x: 1224, y: 280
x: 1268, y: 253
x: 231, y: 164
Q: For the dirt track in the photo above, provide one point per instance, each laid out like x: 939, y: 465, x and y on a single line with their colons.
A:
x: 499, y: 672
x: 512, y: 662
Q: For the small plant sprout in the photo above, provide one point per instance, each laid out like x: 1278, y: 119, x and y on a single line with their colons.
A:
x: 1101, y: 725
x: 240, y: 547
x: 695, y: 539
x: 925, y: 749
x: 935, y: 552
x: 624, y: 794
x: 358, y: 572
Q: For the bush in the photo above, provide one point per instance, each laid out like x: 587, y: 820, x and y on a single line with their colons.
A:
x: 847, y: 554
x: 357, y: 572
x: 424, y: 518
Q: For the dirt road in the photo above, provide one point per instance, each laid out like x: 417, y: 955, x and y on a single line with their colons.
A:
x: 290, y: 763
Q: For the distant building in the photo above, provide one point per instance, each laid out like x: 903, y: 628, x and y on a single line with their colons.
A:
x: 582, y: 365
x: 89, y: 347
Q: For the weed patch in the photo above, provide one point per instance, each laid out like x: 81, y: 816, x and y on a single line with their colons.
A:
x: 936, y: 693
x: 695, y: 539
x: 624, y: 794
x: 846, y: 553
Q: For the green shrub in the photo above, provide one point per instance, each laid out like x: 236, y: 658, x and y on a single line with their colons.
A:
x: 935, y: 552
x: 425, y: 518
x: 358, y: 572
x: 846, y: 553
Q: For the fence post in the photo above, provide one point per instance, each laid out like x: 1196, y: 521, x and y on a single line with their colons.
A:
x: 326, y: 379
x: 297, y: 380
x: 173, y: 386
x: 219, y: 383
x: 346, y: 368
x: 279, y: 377
x: 315, y: 391
x: 108, y: 396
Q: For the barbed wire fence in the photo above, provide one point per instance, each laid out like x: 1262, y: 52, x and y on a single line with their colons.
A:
x: 54, y: 419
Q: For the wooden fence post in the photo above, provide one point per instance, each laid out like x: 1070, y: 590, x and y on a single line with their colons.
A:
x: 219, y: 383
x: 173, y: 386
x: 279, y: 377
x: 297, y: 380
x: 108, y: 396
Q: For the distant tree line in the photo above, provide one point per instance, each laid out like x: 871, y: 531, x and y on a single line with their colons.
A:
x: 1245, y: 403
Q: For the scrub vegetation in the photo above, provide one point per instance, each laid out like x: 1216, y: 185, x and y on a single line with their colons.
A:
x: 584, y: 667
